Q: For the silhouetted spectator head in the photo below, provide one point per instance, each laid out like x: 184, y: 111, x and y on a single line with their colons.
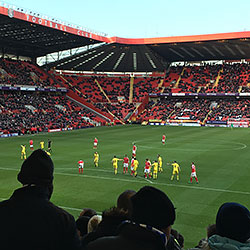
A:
x: 82, y: 225
x: 152, y: 207
x: 88, y: 212
x: 37, y: 169
x: 233, y: 221
x: 124, y: 200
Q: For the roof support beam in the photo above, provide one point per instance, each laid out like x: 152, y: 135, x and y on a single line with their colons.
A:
x: 217, y: 50
x: 209, y: 51
x: 197, y: 51
x: 187, y: 52
x: 150, y: 60
x: 240, y: 50
x: 119, y: 60
x: 230, y: 50
x: 134, y: 61
x: 177, y: 53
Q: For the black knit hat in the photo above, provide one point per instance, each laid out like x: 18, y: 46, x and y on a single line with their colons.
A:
x: 233, y: 221
x: 152, y: 207
x: 37, y: 169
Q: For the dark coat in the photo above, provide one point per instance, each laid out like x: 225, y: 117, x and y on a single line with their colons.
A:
x: 130, y: 237
x: 28, y: 220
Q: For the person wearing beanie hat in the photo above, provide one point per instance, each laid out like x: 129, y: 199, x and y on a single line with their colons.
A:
x: 232, y: 229
x: 233, y: 221
x: 37, y: 169
x: 152, y: 215
x: 152, y: 207
x: 30, y: 217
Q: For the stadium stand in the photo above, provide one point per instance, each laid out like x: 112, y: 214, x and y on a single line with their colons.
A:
x: 16, y: 72
x: 143, y: 86
x: 218, y: 78
x: 223, y: 110
x: 25, y: 112
x: 197, y: 109
x: 115, y: 87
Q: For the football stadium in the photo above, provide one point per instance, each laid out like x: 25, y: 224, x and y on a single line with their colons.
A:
x: 89, y: 101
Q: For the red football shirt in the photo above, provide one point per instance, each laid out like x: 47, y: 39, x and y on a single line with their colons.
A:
x: 193, y: 168
x: 125, y: 160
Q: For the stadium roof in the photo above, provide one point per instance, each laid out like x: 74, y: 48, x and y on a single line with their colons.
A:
x: 30, y: 34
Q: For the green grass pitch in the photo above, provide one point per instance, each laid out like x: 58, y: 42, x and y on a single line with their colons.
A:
x: 221, y: 156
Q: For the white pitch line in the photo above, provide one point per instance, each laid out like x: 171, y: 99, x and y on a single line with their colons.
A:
x: 144, y: 179
x: 159, y: 183
x: 155, y: 183
x: 88, y: 169
x: 68, y: 208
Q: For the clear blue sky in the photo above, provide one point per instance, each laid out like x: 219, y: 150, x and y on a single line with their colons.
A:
x: 148, y: 18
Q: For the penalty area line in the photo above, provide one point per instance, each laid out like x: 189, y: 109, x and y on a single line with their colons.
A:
x: 143, y: 181
x: 159, y: 183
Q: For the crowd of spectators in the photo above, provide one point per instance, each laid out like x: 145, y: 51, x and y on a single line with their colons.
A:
x: 26, y: 112
x: 160, y: 110
x: 228, y: 109
x: 233, y: 78
x: 115, y: 87
x: 191, y: 109
x: 197, y: 109
x: 140, y: 220
x: 198, y: 78
x: 120, y: 110
x: 144, y: 86
x: 85, y: 87
x: 16, y: 72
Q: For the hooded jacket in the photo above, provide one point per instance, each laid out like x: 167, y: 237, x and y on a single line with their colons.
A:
x: 217, y: 242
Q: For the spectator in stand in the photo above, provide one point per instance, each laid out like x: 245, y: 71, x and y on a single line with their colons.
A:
x: 111, y: 219
x: 152, y: 215
x: 232, y: 229
x: 82, y: 226
x: 28, y: 219
x: 88, y: 212
x: 124, y: 200
x: 82, y: 221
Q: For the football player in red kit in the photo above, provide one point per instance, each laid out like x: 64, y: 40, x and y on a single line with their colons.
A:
x: 95, y: 143
x: 193, y: 173
x: 163, y: 140
x: 31, y: 145
x: 147, y: 169
x: 134, y: 150
x: 81, y: 165
x: 125, y: 164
